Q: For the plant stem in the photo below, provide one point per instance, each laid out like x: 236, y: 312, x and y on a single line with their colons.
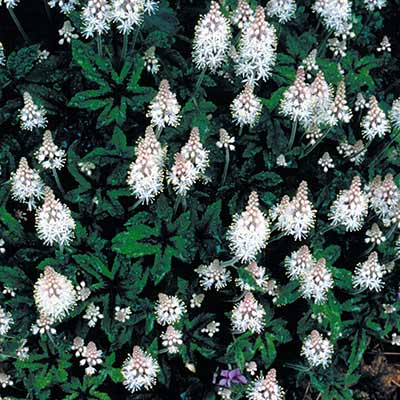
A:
x: 135, y: 38
x: 124, y: 51
x: 224, y: 175
x: 198, y: 84
x: 184, y: 203
x: 230, y: 262
x: 19, y: 26
x: 241, y: 130
x: 315, y: 144
x: 158, y: 131
x: 377, y: 158
x: 58, y: 183
x: 136, y: 205
x: 292, y: 134
x: 99, y: 46
x: 177, y: 202
x: 47, y: 8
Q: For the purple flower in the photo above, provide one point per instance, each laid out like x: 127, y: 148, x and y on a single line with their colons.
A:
x: 231, y: 376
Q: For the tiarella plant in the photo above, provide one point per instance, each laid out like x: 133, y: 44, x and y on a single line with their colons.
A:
x: 199, y: 200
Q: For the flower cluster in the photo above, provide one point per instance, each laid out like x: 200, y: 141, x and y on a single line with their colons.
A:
x: 212, y: 39
x: 146, y: 173
x: 249, y: 231
x: 31, y: 115
x: 257, y: 49
x: 317, y: 350
x: 350, y: 207
x: 295, y: 216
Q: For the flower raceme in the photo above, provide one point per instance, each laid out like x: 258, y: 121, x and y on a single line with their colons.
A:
x: 249, y: 231
x: 146, y: 173
x: 295, y: 217
x: 350, y: 207
x: 164, y: 108
x: 54, y: 294
x: 140, y: 370
x: 212, y: 39
x: 26, y: 185
x: 257, y: 49
x: 54, y: 223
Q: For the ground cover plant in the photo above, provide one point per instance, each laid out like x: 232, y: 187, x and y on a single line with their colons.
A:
x: 199, y: 199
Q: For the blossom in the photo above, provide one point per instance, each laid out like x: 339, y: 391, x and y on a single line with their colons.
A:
x: 2, y: 56
x: 78, y: 346
x: 321, y: 102
x: 164, y: 108
x: 231, y: 376
x: 49, y: 155
x: 372, y: 5
x: 54, y: 294
x: 350, y: 207
x: 82, y: 291
x: 374, y: 235
x: 243, y: 14
x: 183, y: 175
x: 43, y: 325
x: 284, y: 10
x: 225, y: 141
x: 296, y: 100
x: 257, y: 49
x: 259, y: 275
x: 248, y: 315
x: 53, y: 220
x: 96, y: 17
x: 281, y: 161
x: 92, y: 314
x: 326, y: 162
x: 42, y: 55
x: 128, y: 14
x: 299, y: 262
x: 316, y: 281
x: 360, y: 102
x: 384, y: 198
x: 31, y: 115
x: 197, y: 300
x: 6, y: 321
x: 26, y: 185
x: 10, y: 3
x: 246, y: 107
x: 213, y: 274
x: 139, y: 370
x: 355, y: 153
x: 66, y: 6
x: 67, y: 33
x: 211, y: 328
x: 375, y: 123
x: 172, y: 340
x: 169, y: 309
x: 265, y: 388
x: 295, y: 217
x: 22, y: 352
x: 87, y: 167
x: 194, y: 152
x: 384, y: 45
x: 249, y: 231
x: 91, y: 357
x: 310, y: 63
x: 151, y: 62
x: 335, y: 15
x: 369, y: 274
x: 395, y: 114
x: 146, y: 173
x: 211, y: 40
x: 339, y: 109
x: 122, y: 314
x: 5, y: 380
x: 251, y: 367
x: 317, y: 350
